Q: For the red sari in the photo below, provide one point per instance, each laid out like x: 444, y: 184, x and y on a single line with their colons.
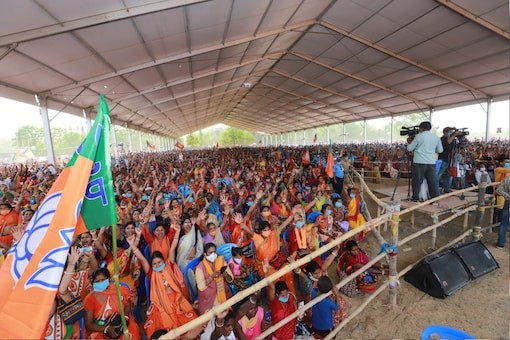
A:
x: 280, y: 311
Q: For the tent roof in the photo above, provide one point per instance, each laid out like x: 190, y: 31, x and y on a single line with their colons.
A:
x: 173, y: 67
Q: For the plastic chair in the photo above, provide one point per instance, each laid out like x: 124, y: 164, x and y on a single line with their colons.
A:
x: 285, y: 236
x: 147, y: 290
x: 147, y: 252
x: 445, y: 332
x: 191, y: 266
x: 225, y: 250
x: 313, y: 216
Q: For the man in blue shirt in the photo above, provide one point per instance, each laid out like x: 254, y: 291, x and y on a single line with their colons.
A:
x: 338, y: 179
x: 322, y: 312
x: 426, y: 146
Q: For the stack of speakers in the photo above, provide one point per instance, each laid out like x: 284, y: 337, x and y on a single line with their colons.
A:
x: 443, y: 274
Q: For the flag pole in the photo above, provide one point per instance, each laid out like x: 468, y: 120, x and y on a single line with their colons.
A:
x: 117, y: 283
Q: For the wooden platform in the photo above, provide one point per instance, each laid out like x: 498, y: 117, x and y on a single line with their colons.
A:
x: 448, y: 203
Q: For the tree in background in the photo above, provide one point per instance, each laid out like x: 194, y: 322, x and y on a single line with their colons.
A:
x: 192, y: 141
x: 232, y: 136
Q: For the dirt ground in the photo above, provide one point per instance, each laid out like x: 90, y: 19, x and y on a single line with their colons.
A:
x: 481, y: 308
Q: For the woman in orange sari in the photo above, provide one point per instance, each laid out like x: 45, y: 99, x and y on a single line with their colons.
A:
x: 267, y: 248
x: 169, y: 306
x: 102, y: 304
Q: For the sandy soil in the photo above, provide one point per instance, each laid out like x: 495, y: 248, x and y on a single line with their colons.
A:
x: 481, y: 308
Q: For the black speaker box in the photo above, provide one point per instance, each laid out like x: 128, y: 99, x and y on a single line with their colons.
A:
x: 443, y: 274
x: 477, y: 258
x: 439, y: 275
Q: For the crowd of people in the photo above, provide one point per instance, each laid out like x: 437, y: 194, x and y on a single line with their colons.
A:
x: 196, y: 228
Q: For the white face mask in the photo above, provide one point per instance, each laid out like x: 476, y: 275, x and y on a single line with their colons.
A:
x: 313, y: 278
x: 238, y: 261
x: 212, y: 257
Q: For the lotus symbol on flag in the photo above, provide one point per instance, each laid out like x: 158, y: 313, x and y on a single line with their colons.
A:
x: 45, y: 277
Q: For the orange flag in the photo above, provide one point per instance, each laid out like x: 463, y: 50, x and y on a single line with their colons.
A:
x: 329, y: 164
x: 31, y: 273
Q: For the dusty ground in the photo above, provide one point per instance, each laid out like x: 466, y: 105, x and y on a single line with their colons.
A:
x: 481, y: 308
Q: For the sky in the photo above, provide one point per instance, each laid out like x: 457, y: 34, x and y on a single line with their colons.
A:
x: 15, y: 114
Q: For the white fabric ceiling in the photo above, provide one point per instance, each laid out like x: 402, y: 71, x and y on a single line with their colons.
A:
x: 173, y: 67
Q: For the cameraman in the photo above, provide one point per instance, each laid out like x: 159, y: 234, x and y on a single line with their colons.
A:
x: 425, y: 146
x: 449, y: 142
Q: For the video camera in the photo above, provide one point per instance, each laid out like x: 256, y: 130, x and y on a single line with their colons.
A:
x: 462, y: 132
x: 409, y: 131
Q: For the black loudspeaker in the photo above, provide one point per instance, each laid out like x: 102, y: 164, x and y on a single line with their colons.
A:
x: 477, y: 258
x: 439, y: 275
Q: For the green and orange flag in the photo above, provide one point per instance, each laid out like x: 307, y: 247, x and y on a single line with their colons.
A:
x: 31, y: 273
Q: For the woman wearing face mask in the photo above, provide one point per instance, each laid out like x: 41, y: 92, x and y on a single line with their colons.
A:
x: 213, y: 276
x: 102, y: 303
x: 170, y: 307
x: 303, y: 238
x: 282, y: 303
x: 354, y: 215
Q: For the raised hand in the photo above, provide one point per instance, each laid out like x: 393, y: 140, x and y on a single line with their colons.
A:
x: 73, y: 256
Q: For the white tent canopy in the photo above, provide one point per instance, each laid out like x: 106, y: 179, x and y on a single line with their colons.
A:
x: 173, y: 67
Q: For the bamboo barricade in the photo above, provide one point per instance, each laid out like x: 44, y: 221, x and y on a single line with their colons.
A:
x: 204, y: 318
x: 386, y: 283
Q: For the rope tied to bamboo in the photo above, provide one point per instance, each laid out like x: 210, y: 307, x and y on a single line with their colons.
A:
x: 393, y: 281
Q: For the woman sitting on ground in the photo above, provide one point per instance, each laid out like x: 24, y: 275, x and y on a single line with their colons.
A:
x: 353, y: 259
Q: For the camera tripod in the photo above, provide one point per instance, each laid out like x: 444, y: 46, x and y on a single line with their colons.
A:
x: 399, y: 174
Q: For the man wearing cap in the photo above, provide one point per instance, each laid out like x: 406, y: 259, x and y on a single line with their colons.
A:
x: 448, y: 142
x: 8, y: 219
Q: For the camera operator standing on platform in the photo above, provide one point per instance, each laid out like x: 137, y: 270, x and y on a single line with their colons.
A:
x: 425, y: 146
x: 448, y: 141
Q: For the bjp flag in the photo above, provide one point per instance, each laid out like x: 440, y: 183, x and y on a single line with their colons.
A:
x: 329, y: 164
x: 31, y: 273
x: 179, y: 146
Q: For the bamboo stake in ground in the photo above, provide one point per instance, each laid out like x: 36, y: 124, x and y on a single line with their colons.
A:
x: 117, y: 283
x: 393, y: 283
x: 477, y: 229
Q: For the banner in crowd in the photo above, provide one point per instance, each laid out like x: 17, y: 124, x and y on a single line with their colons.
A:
x: 31, y: 273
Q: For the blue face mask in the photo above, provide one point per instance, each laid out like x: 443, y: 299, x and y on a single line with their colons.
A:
x: 249, y: 203
x: 191, y: 200
x: 159, y: 268
x: 128, y: 194
x: 145, y: 198
x: 338, y: 204
x: 284, y: 299
x: 101, y: 285
x: 300, y: 224
x: 352, y: 195
x: 507, y: 165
